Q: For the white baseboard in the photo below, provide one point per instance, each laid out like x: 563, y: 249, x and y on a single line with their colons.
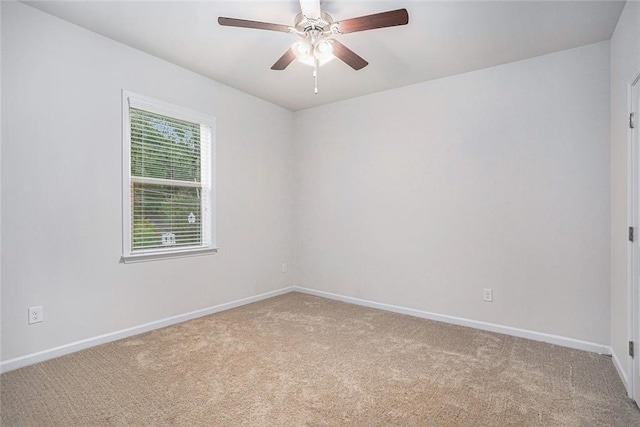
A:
x: 621, y: 372
x: 30, y: 359
x: 492, y: 327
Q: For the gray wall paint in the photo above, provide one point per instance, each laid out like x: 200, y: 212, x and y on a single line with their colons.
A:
x: 61, y: 174
x: 625, y: 64
x: 423, y: 196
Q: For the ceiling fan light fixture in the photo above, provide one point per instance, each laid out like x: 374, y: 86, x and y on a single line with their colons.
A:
x: 323, y: 51
x: 323, y: 47
x: 303, y: 51
x: 301, y: 48
x: 307, y: 53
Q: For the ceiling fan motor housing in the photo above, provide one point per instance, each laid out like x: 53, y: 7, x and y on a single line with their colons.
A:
x: 305, y: 25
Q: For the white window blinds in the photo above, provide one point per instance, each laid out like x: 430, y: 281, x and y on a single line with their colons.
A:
x: 169, y: 197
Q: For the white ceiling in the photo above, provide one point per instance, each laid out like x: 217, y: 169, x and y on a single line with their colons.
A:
x: 442, y: 38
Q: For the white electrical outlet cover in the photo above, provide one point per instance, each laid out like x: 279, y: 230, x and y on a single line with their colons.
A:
x: 36, y: 315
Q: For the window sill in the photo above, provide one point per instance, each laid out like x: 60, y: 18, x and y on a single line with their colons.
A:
x: 155, y: 256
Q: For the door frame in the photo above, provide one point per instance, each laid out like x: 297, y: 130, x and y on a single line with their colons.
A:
x: 633, y: 251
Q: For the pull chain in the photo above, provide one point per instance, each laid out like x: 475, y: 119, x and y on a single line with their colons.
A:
x: 315, y: 76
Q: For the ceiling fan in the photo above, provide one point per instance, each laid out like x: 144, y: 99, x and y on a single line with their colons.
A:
x: 316, y: 30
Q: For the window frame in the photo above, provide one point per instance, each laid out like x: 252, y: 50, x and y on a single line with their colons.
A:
x: 133, y: 100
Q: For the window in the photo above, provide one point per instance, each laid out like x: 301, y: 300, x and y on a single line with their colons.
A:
x: 168, y: 200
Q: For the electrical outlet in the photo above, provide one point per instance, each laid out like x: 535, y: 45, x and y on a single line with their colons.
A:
x: 284, y: 267
x: 35, y: 315
x: 487, y: 295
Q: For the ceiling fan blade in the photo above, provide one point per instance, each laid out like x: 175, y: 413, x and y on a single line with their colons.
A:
x: 310, y: 8
x: 243, y: 23
x: 348, y: 56
x: 284, y: 60
x: 377, y: 20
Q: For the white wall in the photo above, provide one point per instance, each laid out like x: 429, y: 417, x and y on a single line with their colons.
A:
x: 422, y: 196
x: 625, y: 64
x: 1, y: 133
x: 419, y: 196
x: 61, y: 191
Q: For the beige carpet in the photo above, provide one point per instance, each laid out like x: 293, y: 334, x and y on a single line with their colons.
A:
x: 301, y: 360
